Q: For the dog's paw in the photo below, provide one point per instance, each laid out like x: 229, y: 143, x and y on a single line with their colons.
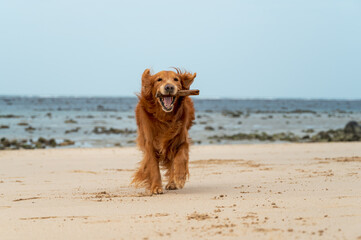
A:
x: 180, y: 180
x: 157, y: 190
x: 171, y: 186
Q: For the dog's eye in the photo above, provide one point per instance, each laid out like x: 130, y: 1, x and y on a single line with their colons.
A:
x: 159, y: 80
x: 176, y: 79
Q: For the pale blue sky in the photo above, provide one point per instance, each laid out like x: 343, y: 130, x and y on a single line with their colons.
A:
x: 239, y: 49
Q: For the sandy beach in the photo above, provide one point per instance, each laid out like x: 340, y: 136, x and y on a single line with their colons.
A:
x: 270, y: 191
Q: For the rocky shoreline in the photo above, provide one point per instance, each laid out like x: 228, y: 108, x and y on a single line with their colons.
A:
x: 351, y: 132
x: 7, y: 144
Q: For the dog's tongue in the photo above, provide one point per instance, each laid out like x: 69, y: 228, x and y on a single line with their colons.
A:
x: 167, y: 101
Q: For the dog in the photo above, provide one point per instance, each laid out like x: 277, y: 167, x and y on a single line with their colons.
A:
x: 163, y: 120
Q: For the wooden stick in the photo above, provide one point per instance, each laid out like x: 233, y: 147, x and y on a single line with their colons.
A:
x: 183, y: 93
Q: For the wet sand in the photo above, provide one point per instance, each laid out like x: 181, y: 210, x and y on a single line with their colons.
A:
x: 271, y: 191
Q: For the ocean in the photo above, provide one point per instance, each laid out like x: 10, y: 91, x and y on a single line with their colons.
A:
x: 109, y: 121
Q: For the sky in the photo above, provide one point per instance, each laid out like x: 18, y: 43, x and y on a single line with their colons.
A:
x: 239, y: 49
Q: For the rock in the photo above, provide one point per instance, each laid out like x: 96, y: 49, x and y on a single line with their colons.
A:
x: 23, y: 124
x: 306, y: 137
x: 103, y: 130
x: 209, y: 128
x: 52, y: 142
x: 353, y: 127
x: 4, y: 126
x: 302, y: 111
x: 30, y: 129
x: 308, y: 130
x: 101, y: 108
x: 72, y: 130
x: 42, y: 140
x: 233, y: 114
x: 70, y: 121
x: 5, y: 142
x: 10, y: 116
x: 87, y: 116
x: 66, y: 142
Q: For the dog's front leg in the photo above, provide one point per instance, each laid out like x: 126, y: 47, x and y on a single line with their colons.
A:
x: 180, y: 165
x: 148, y: 174
x: 155, y: 179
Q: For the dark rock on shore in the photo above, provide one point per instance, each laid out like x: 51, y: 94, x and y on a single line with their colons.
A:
x: 104, y: 130
x: 302, y: 111
x: 209, y: 128
x: 233, y: 114
x: 70, y: 121
x: 72, y: 130
x: 87, y: 116
x: 43, y: 143
x: 66, y: 142
x: 101, y: 108
x: 353, y: 128
x: 351, y: 132
x: 308, y: 130
x: 10, y: 116
x: 30, y: 129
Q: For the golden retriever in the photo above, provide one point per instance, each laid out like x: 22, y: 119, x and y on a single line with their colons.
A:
x: 163, y: 121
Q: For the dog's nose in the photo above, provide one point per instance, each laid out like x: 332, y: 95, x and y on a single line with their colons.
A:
x: 169, y: 88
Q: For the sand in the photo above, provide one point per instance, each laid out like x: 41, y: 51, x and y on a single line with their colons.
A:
x: 272, y: 191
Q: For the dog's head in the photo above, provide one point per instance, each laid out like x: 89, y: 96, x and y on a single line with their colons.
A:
x: 163, y: 86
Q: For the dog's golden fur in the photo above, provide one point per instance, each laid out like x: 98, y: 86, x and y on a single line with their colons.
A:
x: 163, y: 134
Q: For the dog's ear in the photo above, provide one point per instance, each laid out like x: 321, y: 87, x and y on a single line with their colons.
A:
x: 146, y: 76
x: 146, y: 82
x: 187, y: 79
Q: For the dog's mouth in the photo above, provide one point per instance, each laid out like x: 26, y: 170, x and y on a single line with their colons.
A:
x: 167, y: 102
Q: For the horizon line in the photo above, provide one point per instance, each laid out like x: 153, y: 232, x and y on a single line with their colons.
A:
x: 198, y: 97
